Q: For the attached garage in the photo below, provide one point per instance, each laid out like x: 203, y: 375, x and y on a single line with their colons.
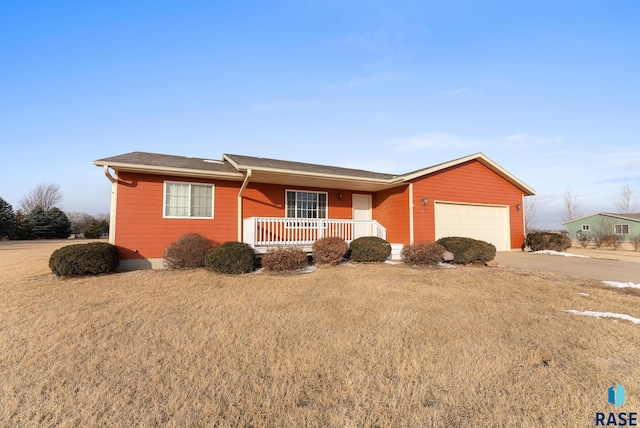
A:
x: 488, y: 223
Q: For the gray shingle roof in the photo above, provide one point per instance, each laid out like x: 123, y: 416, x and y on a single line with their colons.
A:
x: 265, y: 163
x: 634, y: 216
x: 169, y: 161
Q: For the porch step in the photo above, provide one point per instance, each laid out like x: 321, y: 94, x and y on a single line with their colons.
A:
x: 396, y: 249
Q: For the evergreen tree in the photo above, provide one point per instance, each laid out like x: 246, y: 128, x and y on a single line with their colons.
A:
x: 49, y: 224
x: 60, y: 224
x: 96, y: 229
x: 23, y: 227
x: 7, y: 220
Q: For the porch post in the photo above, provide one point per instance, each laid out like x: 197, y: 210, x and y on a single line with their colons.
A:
x: 242, y: 189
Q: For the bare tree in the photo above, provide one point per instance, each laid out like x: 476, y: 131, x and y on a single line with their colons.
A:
x: 572, y: 208
x: 628, y: 202
x: 530, y: 216
x: 603, y: 234
x: 45, y: 196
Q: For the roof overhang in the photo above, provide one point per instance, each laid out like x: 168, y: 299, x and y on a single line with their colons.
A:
x: 314, y: 179
x: 165, y: 170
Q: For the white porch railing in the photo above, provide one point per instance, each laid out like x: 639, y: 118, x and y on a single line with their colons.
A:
x: 273, y: 231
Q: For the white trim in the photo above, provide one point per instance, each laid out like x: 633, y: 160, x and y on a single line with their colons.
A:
x: 286, y: 206
x: 164, y: 200
x: 471, y: 203
x: 113, y: 210
x: 411, y: 206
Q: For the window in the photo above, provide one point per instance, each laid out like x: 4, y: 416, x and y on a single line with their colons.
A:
x: 306, y: 204
x: 586, y: 227
x: 187, y: 200
x: 622, y: 229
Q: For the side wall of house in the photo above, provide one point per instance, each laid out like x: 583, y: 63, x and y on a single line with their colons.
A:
x: 470, y: 182
x: 141, y: 230
x: 391, y: 210
x: 603, y: 224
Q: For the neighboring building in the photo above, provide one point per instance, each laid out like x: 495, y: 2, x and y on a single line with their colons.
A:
x: 625, y: 225
x: 266, y: 202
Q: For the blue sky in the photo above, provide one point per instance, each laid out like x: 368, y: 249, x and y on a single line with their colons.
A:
x: 548, y: 89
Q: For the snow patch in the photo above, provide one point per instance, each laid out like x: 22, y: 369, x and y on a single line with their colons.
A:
x: 558, y: 253
x: 391, y: 262
x: 446, y: 265
x: 604, y: 315
x: 585, y: 294
x: 308, y: 269
x: 621, y: 284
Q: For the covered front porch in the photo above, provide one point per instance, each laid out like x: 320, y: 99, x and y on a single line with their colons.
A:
x: 263, y: 233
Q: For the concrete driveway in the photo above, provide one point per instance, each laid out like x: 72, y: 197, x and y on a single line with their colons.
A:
x: 593, y: 268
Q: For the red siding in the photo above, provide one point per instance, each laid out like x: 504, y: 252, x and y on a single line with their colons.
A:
x: 141, y: 230
x: 391, y: 210
x: 268, y: 200
x: 470, y: 182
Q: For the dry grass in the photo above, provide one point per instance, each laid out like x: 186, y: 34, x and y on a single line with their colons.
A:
x: 369, y: 345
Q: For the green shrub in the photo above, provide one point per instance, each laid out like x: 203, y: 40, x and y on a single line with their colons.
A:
x: 330, y: 250
x: 282, y: 259
x: 539, y: 241
x: 187, y: 252
x: 468, y: 250
x: 370, y: 249
x: 230, y: 257
x: 84, y: 259
x: 423, y: 253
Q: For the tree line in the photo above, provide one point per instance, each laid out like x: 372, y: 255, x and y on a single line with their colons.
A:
x: 39, y: 218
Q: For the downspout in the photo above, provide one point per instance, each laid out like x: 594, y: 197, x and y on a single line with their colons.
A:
x: 411, y: 233
x: 114, y: 202
x: 247, y: 177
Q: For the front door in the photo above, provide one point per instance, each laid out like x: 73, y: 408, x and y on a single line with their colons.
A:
x: 362, y: 211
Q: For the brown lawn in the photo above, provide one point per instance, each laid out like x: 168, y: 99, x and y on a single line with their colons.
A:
x: 365, y: 345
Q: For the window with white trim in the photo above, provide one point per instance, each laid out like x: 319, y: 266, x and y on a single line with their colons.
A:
x: 586, y: 227
x: 302, y: 204
x: 188, y: 200
x: 622, y: 229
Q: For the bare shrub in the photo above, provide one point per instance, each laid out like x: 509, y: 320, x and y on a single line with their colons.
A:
x: 187, y: 252
x: 330, y: 250
x: 583, y: 239
x: 282, y: 259
x: 603, y: 234
x: 635, y: 241
x: 423, y: 254
x: 540, y: 241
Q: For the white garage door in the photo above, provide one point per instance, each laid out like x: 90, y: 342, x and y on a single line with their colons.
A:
x: 485, y: 222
